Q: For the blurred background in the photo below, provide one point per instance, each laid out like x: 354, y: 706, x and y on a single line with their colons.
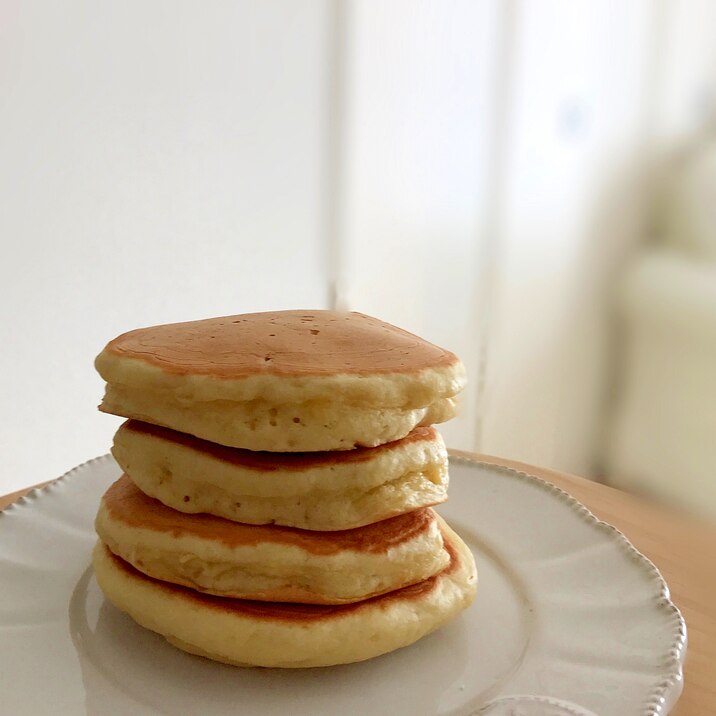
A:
x: 530, y: 184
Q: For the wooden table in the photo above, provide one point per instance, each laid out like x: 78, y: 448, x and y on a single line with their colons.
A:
x: 682, y: 548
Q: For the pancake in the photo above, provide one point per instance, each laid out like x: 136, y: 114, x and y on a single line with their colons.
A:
x: 250, y: 633
x: 314, y: 491
x: 286, y: 381
x: 268, y: 563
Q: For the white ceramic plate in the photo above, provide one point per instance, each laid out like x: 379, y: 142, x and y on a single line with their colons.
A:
x: 569, y: 620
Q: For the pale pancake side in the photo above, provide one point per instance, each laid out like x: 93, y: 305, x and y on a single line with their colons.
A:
x: 269, y: 563
x: 308, y: 426
x: 323, y: 492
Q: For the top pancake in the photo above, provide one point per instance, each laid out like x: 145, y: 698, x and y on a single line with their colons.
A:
x: 282, y: 343
x: 244, y: 355
x: 288, y: 381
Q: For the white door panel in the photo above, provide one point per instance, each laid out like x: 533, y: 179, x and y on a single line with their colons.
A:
x: 418, y: 110
x: 577, y: 112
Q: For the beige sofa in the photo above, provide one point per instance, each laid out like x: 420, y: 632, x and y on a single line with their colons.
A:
x: 662, y: 431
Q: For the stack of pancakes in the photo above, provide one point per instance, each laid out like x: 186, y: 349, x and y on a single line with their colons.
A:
x: 280, y: 470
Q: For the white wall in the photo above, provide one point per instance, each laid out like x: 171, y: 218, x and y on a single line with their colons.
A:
x: 685, y: 93
x: 471, y: 170
x: 159, y: 161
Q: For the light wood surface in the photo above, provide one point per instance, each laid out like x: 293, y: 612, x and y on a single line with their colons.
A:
x: 683, y: 548
x: 6, y: 500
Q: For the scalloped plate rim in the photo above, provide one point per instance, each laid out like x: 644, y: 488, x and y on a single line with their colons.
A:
x: 658, y: 703
x: 669, y: 690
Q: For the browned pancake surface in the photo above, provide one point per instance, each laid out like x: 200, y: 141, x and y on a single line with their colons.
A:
x: 126, y: 503
x: 305, y: 613
x: 271, y: 461
x: 282, y: 343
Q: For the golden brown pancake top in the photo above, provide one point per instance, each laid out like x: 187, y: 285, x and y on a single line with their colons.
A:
x: 272, y: 461
x: 126, y: 503
x: 282, y: 343
x: 293, y: 612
